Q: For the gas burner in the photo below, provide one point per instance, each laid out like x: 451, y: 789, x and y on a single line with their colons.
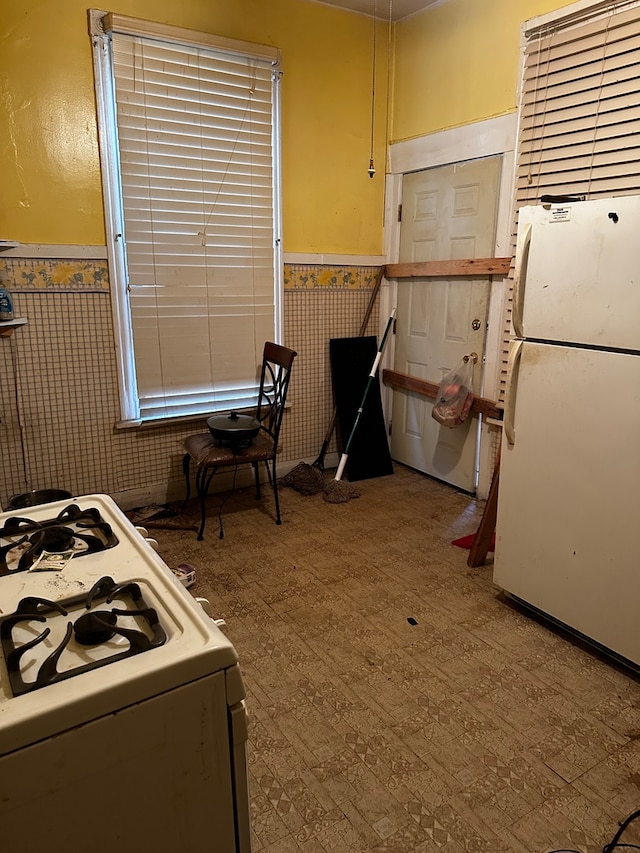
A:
x: 95, y: 627
x: 83, y: 531
x: 57, y: 539
x: 76, y: 638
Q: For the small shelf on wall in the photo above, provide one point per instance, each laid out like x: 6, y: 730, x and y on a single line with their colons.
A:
x: 7, y: 326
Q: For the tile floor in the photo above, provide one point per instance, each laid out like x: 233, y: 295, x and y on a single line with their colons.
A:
x: 397, y: 701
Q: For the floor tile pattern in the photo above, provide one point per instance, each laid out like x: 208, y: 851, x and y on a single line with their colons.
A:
x: 398, y: 702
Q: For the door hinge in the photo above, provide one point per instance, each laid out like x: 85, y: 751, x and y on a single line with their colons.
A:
x: 390, y: 427
x: 399, y: 213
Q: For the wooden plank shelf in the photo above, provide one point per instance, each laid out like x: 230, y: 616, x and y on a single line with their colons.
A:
x: 472, y: 267
x: 487, y: 526
x: 404, y: 382
x: 7, y: 326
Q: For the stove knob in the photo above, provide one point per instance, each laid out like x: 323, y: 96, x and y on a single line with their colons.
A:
x: 206, y: 606
x: 153, y: 543
x: 143, y: 531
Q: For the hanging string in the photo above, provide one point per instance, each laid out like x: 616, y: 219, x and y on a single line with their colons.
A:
x: 596, y: 118
x: 257, y: 354
x: 246, y: 120
x: 241, y: 126
x: 372, y: 168
x: 389, y: 48
x: 145, y: 53
x: 544, y: 89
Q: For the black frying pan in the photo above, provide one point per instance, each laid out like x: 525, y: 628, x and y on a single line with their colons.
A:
x: 233, y: 430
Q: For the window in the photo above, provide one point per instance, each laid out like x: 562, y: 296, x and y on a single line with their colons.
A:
x: 579, y: 118
x: 190, y: 158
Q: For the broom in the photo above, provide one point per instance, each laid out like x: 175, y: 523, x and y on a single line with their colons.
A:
x: 308, y: 479
x: 319, y: 463
x: 337, y: 492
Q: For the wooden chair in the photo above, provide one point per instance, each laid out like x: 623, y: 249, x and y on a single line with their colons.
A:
x: 209, y: 455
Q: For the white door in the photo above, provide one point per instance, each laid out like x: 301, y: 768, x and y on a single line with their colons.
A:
x: 566, y: 533
x: 448, y: 213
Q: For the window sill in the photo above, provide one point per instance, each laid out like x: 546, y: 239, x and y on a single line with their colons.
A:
x: 185, y: 419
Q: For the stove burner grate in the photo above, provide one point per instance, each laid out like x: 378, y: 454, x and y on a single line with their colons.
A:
x: 92, y: 628
x: 74, y: 528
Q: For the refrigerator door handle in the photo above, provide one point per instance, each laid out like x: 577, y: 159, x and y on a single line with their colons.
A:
x: 513, y: 366
x: 520, y: 277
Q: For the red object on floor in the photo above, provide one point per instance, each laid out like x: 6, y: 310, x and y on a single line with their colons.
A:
x: 467, y: 542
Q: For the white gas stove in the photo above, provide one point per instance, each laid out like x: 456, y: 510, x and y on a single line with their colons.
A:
x: 107, y: 651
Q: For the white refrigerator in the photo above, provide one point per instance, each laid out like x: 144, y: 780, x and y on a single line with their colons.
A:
x: 568, y: 523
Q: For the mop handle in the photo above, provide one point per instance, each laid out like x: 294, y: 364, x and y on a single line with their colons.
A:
x: 372, y: 374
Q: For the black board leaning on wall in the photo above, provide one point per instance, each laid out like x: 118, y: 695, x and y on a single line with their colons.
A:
x: 351, y: 362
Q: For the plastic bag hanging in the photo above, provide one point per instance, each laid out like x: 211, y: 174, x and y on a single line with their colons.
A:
x: 455, y: 394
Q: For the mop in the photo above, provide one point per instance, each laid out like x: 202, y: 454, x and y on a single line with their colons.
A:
x: 337, y: 491
x: 309, y: 479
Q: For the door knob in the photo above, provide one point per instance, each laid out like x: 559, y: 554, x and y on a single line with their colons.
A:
x: 475, y: 325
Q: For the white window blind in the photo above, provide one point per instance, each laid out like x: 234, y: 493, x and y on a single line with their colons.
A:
x: 580, y: 106
x: 197, y: 168
x: 579, y: 114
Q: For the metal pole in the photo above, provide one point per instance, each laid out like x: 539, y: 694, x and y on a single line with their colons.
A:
x: 372, y: 374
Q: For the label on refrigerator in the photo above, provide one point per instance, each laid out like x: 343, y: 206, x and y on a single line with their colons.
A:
x: 560, y: 214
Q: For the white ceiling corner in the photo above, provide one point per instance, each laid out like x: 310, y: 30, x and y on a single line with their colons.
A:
x: 380, y: 8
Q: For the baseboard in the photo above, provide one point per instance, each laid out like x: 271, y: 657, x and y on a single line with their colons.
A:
x: 163, y: 493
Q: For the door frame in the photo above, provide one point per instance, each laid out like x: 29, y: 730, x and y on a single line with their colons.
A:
x: 485, y: 138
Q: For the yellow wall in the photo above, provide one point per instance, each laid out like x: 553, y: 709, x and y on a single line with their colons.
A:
x: 455, y: 63
x: 51, y: 173
x: 459, y: 63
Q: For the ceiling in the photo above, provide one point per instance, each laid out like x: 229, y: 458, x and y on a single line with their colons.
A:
x: 399, y: 8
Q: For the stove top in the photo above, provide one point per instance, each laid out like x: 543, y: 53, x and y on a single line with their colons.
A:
x: 72, y: 529
x: 46, y: 641
x: 112, y: 627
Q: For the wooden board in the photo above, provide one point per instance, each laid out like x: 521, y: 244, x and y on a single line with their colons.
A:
x: 404, y: 382
x: 471, y: 267
x: 487, y: 526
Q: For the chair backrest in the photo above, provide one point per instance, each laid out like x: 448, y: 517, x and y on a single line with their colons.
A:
x: 274, y: 384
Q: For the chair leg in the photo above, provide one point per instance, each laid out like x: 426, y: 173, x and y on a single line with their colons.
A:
x: 186, y: 470
x: 256, y: 473
x: 204, y: 476
x: 274, y: 484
